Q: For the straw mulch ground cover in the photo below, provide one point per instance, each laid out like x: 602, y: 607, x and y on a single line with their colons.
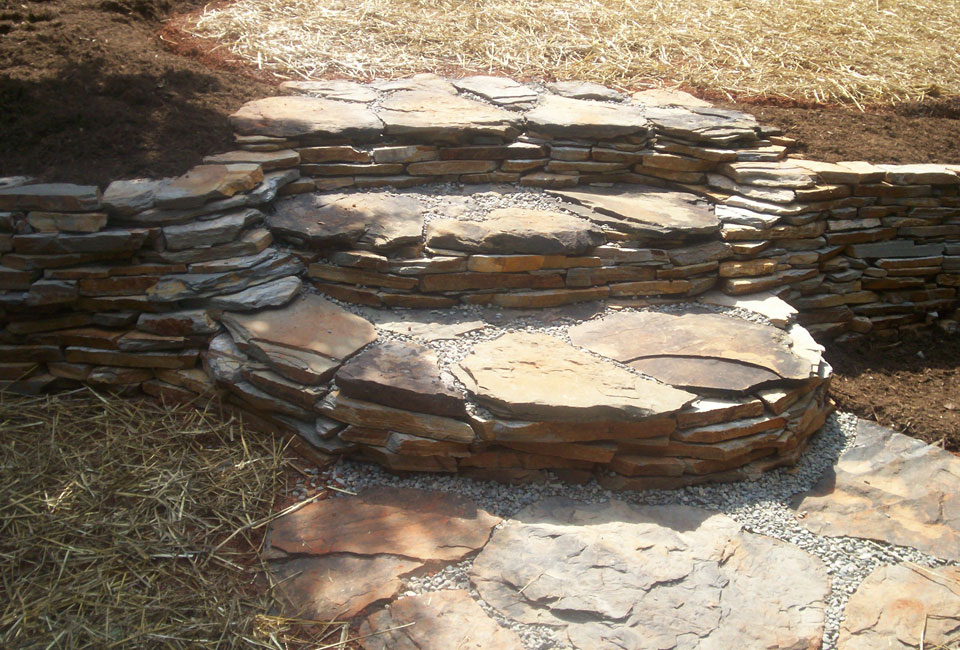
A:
x: 124, y: 524
x: 865, y: 51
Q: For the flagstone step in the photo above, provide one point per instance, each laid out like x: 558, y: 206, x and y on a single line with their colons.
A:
x: 497, y: 395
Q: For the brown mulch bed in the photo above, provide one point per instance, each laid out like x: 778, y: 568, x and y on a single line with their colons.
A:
x: 89, y: 92
x: 913, y: 386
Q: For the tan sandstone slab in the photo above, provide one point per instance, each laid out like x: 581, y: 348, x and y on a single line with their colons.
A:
x: 207, y: 183
x: 377, y: 221
x: 616, y: 575
x: 892, y: 488
x: 308, y: 333
x: 539, y: 377
x: 293, y: 116
x: 628, y: 336
x: 516, y: 231
x: 709, y: 374
x: 651, y: 210
x: 898, y: 606
x: 426, y: 526
x: 439, y: 116
x: 339, y: 585
x: 404, y: 375
x: 442, y: 620
x: 564, y: 117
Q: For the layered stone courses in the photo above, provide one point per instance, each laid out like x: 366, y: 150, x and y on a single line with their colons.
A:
x: 131, y: 287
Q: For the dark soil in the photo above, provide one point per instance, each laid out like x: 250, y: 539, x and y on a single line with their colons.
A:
x: 913, y: 387
x: 90, y: 92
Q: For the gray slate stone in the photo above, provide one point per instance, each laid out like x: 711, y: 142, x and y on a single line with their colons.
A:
x: 404, y: 375
x: 562, y: 117
x: 704, y: 124
x: 55, y: 197
x: 614, y: 576
x: 891, y: 488
x: 294, y: 117
x: 584, y: 90
x: 645, y: 210
x: 430, y: 116
x: 516, y: 231
x: 126, y: 198
x: 378, y: 221
x: 270, y: 294
x: 210, y: 232
x: 498, y: 90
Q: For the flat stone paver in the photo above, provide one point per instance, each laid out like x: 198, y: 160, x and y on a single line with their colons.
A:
x: 897, y: 606
x: 516, y: 231
x: 616, y: 575
x: 401, y: 374
x: 439, y: 116
x: 646, y: 209
x: 298, y: 116
x: 892, y: 488
x: 334, y: 558
x: 441, y: 620
x: 405, y: 522
x: 703, y: 124
x: 377, y: 221
x: 629, y: 336
x: 540, y: 377
x: 563, y: 117
x: 498, y: 90
x: 305, y: 341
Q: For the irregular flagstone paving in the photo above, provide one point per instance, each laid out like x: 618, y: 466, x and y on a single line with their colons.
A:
x: 621, y: 576
x: 903, y: 606
x: 333, y: 558
x: 440, y: 620
x: 893, y: 488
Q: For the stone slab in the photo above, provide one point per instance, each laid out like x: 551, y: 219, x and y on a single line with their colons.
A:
x: 539, y: 377
x: 311, y: 324
x: 516, y: 231
x: 337, y: 586
x: 891, y: 488
x: 563, y: 117
x: 698, y: 374
x: 901, y: 607
x: 615, y: 575
x: 404, y: 375
x: 426, y: 526
x: 294, y: 117
x: 431, y: 116
x: 378, y: 221
x: 629, y: 336
x: 440, y: 620
x: 659, y: 211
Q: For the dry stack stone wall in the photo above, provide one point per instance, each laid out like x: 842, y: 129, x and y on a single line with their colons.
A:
x: 196, y: 285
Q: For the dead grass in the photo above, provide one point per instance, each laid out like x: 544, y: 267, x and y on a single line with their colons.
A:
x: 128, y: 525
x: 860, y: 51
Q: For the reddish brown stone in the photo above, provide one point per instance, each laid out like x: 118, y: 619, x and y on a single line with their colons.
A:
x: 397, y: 521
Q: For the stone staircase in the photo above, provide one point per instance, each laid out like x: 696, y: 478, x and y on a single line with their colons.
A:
x: 486, y: 278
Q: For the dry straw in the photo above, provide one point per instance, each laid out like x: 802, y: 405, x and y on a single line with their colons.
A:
x: 113, y: 520
x: 849, y: 51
